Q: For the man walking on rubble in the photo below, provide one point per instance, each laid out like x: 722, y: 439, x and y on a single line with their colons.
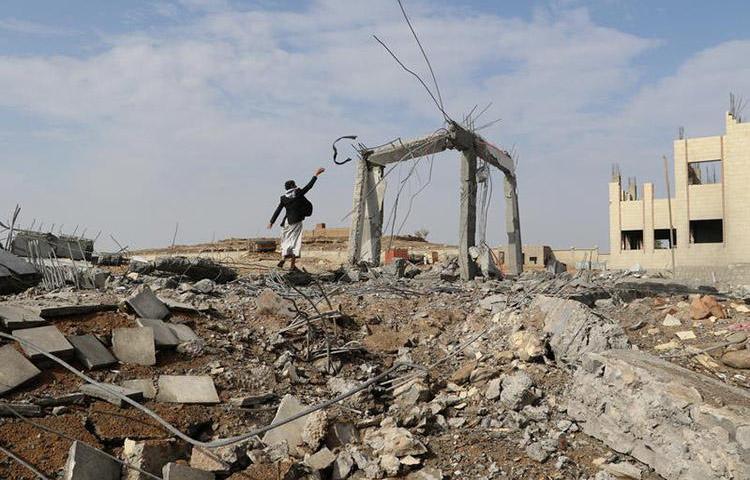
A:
x: 297, y: 209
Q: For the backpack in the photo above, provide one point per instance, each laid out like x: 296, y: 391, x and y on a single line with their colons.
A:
x: 306, y: 207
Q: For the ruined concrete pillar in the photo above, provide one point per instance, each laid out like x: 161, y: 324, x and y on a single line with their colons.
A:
x: 367, y: 217
x: 514, y: 261
x: 468, y: 218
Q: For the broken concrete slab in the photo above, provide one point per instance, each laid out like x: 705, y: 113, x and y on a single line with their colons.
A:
x: 176, y: 306
x: 176, y: 471
x: 144, y: 385
x: 87, y: 463
x: 187, y: 389
x: 291, y: 433
x: 91, y: 352
x: 18, y: 317
x: 321, y: 460
x: 134, y: 345
x: 163, y: 335
x: 196, y: 268
x: 57, y: 311
x: 182, y: 332
x: 148, y: 305
x: 575, y: 329
x: 150, y: 456
x: 22, y: 408
x: 102, y: 394
x: 16, y: 274
x: 48, y: 339
x: 695, y: 433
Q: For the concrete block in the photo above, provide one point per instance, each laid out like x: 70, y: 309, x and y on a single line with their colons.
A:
x: 682, y: 424
x: 163, y: 335
x: 87, y: 463
x: 182, y: 332
x: 18, y: 317
x: 134, y: 345
x: 70, y: 310
x: 48, y: 338
x: 144, y: 385
x: 147, y: 305
x: 187, y: 389
x: 98, y: 392
x: 91, y: 352
x: 176, y: 471
x: 150, y: 456
x: 291, y: 433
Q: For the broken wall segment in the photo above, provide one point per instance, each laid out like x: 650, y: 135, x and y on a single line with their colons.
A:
x: 16, y: 274
x: 682, y: 424
x: 87, y: 463
x: 574, y: 329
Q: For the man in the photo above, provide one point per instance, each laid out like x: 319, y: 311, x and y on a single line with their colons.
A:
x: 297, y: 208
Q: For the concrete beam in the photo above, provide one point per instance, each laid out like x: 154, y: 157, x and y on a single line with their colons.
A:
x: 513, y: 227
x: 400, y: 150
x: 468, y: 218
x: 358, y: 217
x: 367, y: 223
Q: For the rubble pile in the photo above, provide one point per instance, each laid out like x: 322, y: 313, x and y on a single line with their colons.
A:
x: 373, y: 373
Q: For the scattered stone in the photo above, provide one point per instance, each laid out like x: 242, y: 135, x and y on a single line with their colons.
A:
x: 143, y: 385
x: 427, y: 473
x: 182, y: 332
x: 670, y: 345
x: 526, y: 344
x: 270, y: 303
x: 205, y: 286
x: 98, y: 392
x: 291, y: 433
x: 342, y: 466
x: 48, y: 339
x: 15, y: 369
x: 217, y: 460
x: 412, y: 393
x: 390, y: 465
x: 87, y: 463
x: 321, y: 460
x: 516, y: 390
x: 623, y: 470
x: 316, y: 426
x: 494, y: 388
x: 671, y: 321
x: 18, y: 317
x: 91, y: 352
x: 176, y: 471
x: 148, y: 305
x: 737, y: 359
x: 613, y: 397
x: 536, y: 452
x: 463, y: 373
x: 341, y: 434
x: 685, y: 335
x: 164, y: 336
x: 395, y: 441
x: 186, y: 389
x: 134, y: 345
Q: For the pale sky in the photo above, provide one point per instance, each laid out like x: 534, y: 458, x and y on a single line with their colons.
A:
x: 126, y: 117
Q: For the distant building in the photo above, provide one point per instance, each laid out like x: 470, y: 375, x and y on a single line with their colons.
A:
x: 710, y: 207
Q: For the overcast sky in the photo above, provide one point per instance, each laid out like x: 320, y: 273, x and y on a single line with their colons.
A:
x: 127, y: 117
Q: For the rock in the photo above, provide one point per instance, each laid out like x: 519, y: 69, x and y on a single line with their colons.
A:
x: 737, y: 359
x: 91, y: 352
x: 291, y: 433
x: 270, y: 303
x: 97, y: 391
x: 463, y: 373
x: 182, y: 332
x: 147, y: 305
x: 390, y: 465
x: 671, y: 321
x: 134, y: 345
x: 316, y: 426
x: 685, y: 335
x: 689, y: 435
x: 494, y: 303
x: 321, y: 460
x: 516, y: 391
x: 395, y: 441
x: 218, y: 460
x: 205, y: 286
x: 86, y: 463
x: 576, y: 329
x: 150, y: 456
x: 186, y: 389
x: 48, y: 338
x: 176, y: 471
x: 342, y: 466
x: 494, y: 388
x: 623, y: 470
x: 526, y: 345
x: 698, y: 309
x: 341, y: 434
x: 536, y: 452
x: 670, y: 345
x: 15, y: 369
x: 427, y: 473
x: 412, y: 393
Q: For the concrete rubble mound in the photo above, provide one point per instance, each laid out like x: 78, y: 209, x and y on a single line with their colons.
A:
x: 683, y: 425
x: 195, y: 268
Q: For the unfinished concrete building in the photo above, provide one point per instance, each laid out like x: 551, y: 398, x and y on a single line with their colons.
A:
x: 710, y: 207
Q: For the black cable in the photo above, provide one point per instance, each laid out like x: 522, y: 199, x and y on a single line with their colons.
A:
x: 336, y: 152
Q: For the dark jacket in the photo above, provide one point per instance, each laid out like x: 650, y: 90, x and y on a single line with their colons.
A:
x: 292, y: 204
